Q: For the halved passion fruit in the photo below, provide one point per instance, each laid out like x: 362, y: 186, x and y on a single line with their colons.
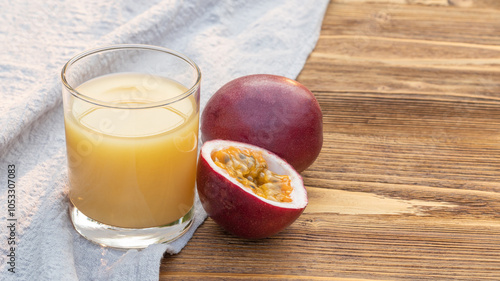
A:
x: 248, y: 190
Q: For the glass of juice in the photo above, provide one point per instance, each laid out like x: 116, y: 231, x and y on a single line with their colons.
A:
x: 131, y: 116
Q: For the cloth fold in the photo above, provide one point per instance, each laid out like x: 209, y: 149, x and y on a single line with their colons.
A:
x: 227, y: 39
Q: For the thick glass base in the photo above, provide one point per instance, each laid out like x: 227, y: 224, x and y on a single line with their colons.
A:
x: 128, y: 238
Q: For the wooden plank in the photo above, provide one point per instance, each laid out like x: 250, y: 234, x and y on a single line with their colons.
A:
x: 350, y: 246
x: 489, y: 4
x: 443, y: 24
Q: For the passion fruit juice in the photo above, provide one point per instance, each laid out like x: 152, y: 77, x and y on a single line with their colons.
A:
x: 131, y: 167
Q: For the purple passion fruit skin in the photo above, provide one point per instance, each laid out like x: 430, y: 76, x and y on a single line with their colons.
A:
x: 268, y: 111
x: 239, y: 211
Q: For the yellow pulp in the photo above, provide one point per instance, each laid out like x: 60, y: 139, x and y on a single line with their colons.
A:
x: 250, y: 169
x: 132, y: 168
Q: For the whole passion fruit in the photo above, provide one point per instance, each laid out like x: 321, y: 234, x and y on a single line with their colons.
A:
x: 268, y: 111
x: 249, y: 191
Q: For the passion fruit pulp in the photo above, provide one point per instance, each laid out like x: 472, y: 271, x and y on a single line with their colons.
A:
x: 250, y: 169
x: 256, y: 207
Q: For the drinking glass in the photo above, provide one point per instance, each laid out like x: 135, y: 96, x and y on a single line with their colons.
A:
x: 131, y: 115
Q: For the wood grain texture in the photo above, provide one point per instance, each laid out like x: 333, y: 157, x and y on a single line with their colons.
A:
x: 407, y: 185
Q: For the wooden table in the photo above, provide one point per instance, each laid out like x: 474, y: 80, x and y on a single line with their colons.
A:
x: 407, y: 185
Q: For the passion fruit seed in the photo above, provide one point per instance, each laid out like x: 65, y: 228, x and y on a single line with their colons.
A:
x: 250, y: 169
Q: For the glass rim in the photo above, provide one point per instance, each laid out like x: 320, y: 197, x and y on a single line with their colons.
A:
x: 193, y: 89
